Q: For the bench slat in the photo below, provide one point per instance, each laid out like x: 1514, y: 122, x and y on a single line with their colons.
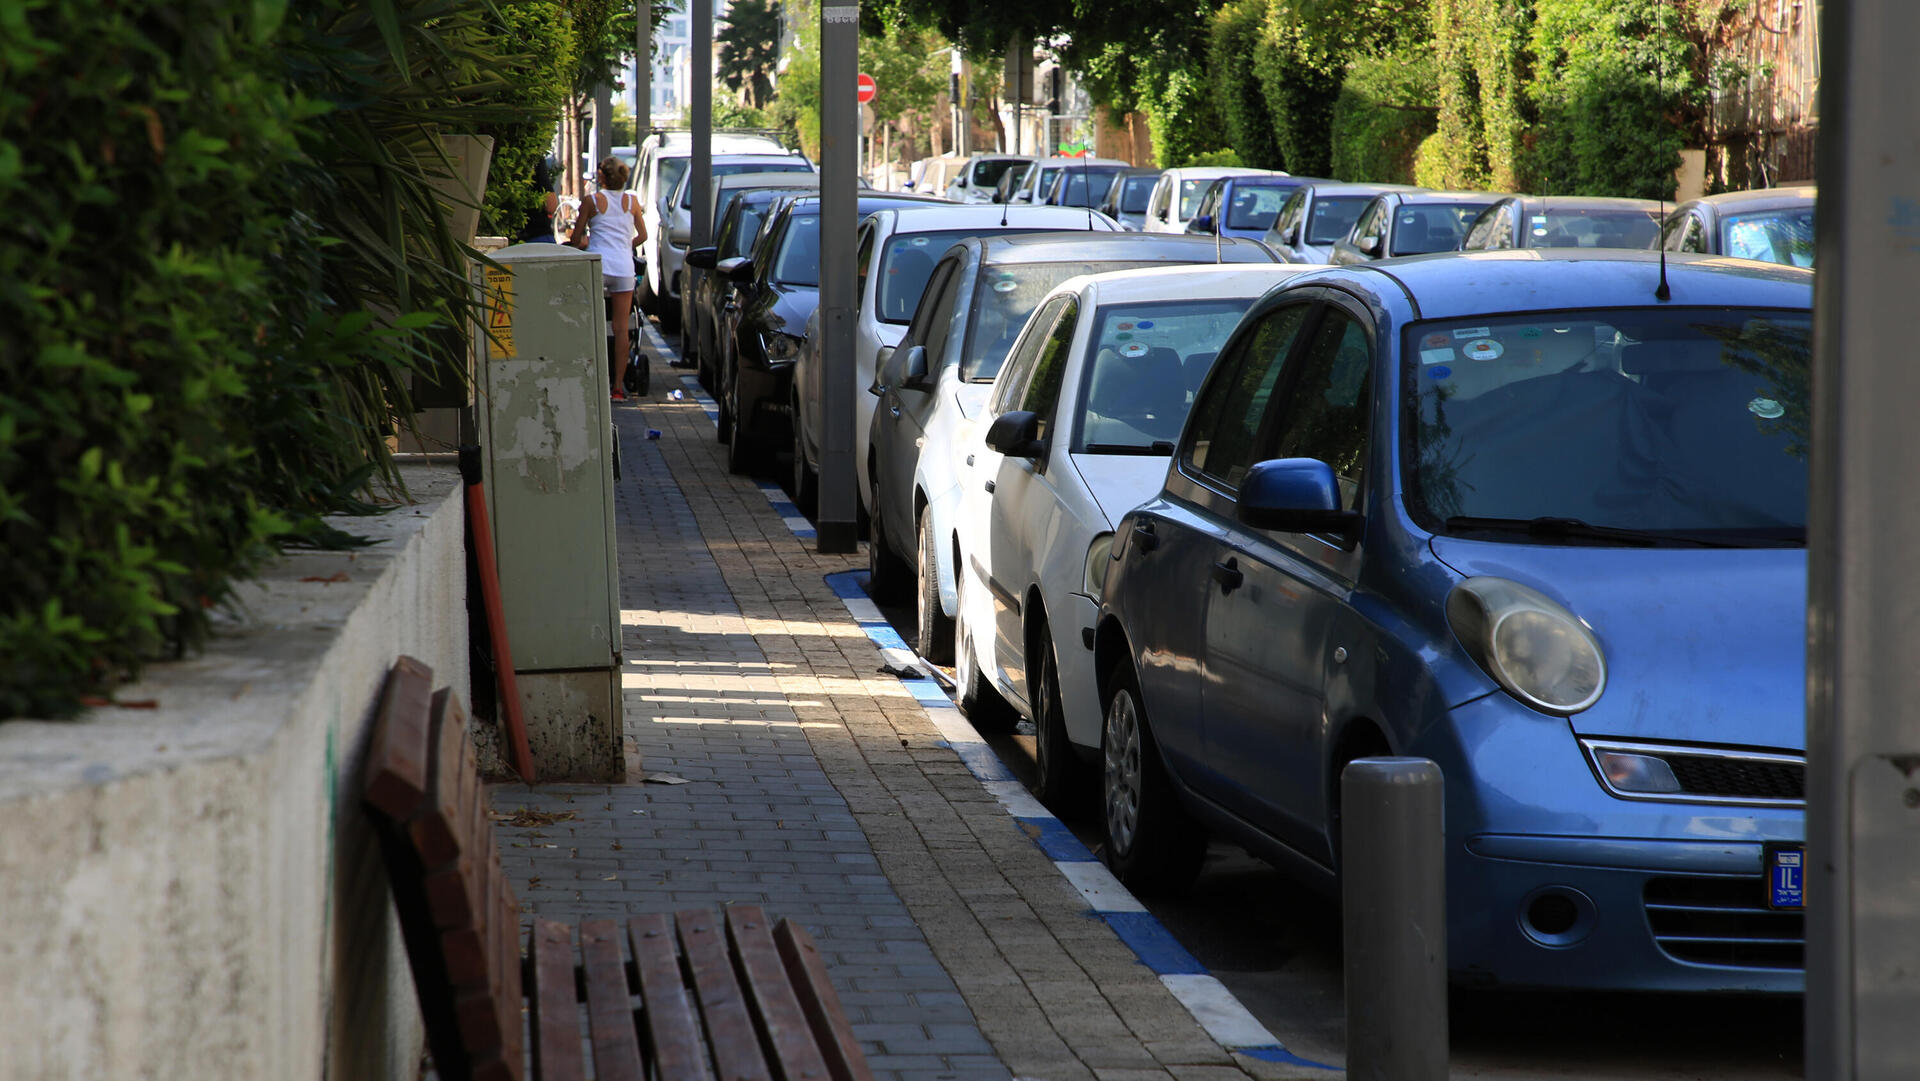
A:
x: 556, y: 1014
x: 397, y: 757
x: 783, y: 1024
x: 616, y: 1046
x: 673, y: 1033
x: 832, y: 1032
x: 440, y: 829
x: 730, y: 1032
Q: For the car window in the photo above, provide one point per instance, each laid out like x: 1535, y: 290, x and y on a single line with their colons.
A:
x: 1006, y: 294
x: 671, y: 170
x: 1323, y: 409
x: 944, y: 287
x: 1191, y: 192
x: 1693, y: 237
x: 731, y: 168
x: 862, y: 260
x: 1226, y: 418
x: 1775, y: 236
x: 1008, y: 389
x: 1480, y: 233
x: 1255, y: 206
x: 1332, y: 217
x: 921, y: 327
x: 1134, y: 193
x: 1082, y: 187
x: 1041, y: 392
x: 1372, y: 222
x: 987, y: 174
x: 1421, y: 229
x: 799, y: 261
x: 1158, y: 205
x: 1147, y: 359
x: 1289, y: 216
x: 1552, y: 226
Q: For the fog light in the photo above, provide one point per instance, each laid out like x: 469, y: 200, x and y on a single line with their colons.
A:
x: 1637, y: 772
x: 1557, y: 916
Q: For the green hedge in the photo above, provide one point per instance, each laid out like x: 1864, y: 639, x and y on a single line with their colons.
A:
x: 1301, y: 85
x: 1382, y: 116
x: 1236, y: 86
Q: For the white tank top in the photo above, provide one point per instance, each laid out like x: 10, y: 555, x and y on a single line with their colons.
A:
x: 610, y: 233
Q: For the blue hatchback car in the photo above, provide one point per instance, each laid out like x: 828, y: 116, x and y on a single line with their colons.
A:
x: 1538, y: 516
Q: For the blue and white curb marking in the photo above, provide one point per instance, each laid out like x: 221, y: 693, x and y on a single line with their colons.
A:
x: 1205, y: 997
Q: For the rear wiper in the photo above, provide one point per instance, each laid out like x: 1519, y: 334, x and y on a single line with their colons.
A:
x: 1159, y: 446
x: 1577, y: 529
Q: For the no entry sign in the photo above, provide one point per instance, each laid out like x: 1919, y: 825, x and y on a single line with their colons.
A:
x: 865, y: 87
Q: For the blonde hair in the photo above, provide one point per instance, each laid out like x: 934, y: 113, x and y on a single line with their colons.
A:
x: 613, y: 174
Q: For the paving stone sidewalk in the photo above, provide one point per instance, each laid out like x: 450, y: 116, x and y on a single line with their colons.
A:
x: 772, y: 762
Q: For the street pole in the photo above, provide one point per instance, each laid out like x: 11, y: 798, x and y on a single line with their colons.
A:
x: 700, y: 182
x: 836, y: 530
x: 642, y: 72
x: 1863, y: 689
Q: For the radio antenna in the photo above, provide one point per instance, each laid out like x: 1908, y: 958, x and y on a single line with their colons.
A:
x: 1661, y: 292
x: 1008, y: 205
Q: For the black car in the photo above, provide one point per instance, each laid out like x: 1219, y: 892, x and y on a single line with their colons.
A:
x: 739, y: 227
x: 774, y: 289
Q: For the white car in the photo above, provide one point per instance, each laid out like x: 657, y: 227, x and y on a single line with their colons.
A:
x: 1039, y: 179
x: 1177, y: 196
x: 932, y: 386
x: 896, y: 250
x: 664, y: 159
x: 1078, y: 430
x: 976, y: 183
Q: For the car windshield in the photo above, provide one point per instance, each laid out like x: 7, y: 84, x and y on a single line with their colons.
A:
x: 1254, y: 206
x: 1421, y: 229
x: 1782, y: 236
x: 1577, y: 227
x: 1044, y: 185
x: 1333, y: 216
x: 1687, y: 422
x: 1135, y: 193
x: 1148, y: 360
x: 799, y: 260
x: 905, y: 265
x: 671, y: 170
x: 1191, y: 192
x: 1005, y: 295
x: 987, y: 173
x: 1084, y: 187
x: 746, y: 225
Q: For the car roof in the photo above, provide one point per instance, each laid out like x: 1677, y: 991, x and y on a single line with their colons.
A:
x: 1586, y: 202
x: 1067, y: 247
x: 1429, y: 197
x: 1759, y: 198
x: 867, y: 202
x: 1343, y: 187
x: 1453, y: 285
x: 1059, y: 159
x: 1214, y: 172
x: 944, y: 215
x: 1196, y: 281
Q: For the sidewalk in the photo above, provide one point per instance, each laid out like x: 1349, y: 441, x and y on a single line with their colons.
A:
x: 785, y: 768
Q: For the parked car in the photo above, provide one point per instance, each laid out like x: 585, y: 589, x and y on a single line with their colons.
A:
x: 1037, y: 182
x: 694, y: 334
x: 1532, y: 221
x: 664, y: 158
x: 1317, y: 215
x: 1773, y: 225
x: 776, y: 287
x: 1243, y: 206
x: 1400, y: 223
x: 1126, y: 200
x: 1083, y: 185
x: 702, y: 336
x: 931, y: 387
x: 1176, y: 197
x: 930, y: 176
x: 1525, y: 519
x: 669, y: 255
x: 1076, y: 431
x: 896, y: 251
x: 976, y: 182
x: 1011, y: 181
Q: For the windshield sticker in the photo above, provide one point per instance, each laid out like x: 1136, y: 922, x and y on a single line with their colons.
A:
x: 1529, y: 332
x: 1123, y: 326
x: 1484, y: 349
x: 1473, y: 332
x: 1436, y: 356
x: 1005, y: 285
x: 1133, y: 349
x: 1766, y: 409
x: 1122, y: 337
x: 1146, y: 324
x: 919, y: 242
x: 1435, y: 341
x: 1440, y: 372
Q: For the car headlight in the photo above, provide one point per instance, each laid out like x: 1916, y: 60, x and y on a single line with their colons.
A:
x: 1098, y: 554
x: 1531, y: 645
x: 781, y: 348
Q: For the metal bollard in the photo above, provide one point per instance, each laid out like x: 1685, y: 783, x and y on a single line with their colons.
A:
x: 1393, y: 903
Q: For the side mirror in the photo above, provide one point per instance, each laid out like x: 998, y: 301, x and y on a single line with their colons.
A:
x: 1201, y: 224
x: 702, y: 258
x: 913, y: 366
x: 880, y: 360
x: 1015, y: 434
x: 738, y: 270
x: 1295, y: 495
x: 1368, y: 244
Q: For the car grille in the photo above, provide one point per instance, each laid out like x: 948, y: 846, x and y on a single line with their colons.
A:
x: 1724, y: 921
x: 1719, y: 775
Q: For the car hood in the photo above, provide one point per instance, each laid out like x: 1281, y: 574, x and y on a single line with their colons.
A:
x: 1121, y: 482
x: 788, y: 309
x: 1702, y: 645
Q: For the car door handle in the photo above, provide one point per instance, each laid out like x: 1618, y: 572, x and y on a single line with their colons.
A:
x: 989, y: 486
x: 1228, y: 575
x: 1143, y: 536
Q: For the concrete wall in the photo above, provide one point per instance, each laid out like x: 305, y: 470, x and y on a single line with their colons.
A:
x: 192, y: 890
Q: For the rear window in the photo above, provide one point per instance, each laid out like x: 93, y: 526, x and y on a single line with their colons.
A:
x: 731, y: 168
x: 1004, y: 297
x: 1191, y: 192
x: 1333, y: 216
x: 1084, y: 187
x: 987, y: 174
x: 907, y: 262
x: 1135, y: 192
x: 1255, y: 206
x: 1575, y: 227
x: 1421, y: 229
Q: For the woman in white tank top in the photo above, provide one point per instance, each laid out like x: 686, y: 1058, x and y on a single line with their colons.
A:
x: 610, y: 225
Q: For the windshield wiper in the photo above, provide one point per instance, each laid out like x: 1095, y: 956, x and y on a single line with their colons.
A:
x: 1574, y: 528
x: 1158, y: 446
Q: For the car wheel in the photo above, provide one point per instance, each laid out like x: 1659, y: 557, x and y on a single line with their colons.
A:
x: 935, y: 641
x: 723, y: 424
x: 980, y: 700
x: 805, y: 482
x: 1152, y: 844
x: 740, y: 451
x: 1061, y: 780
x: 886, y: 572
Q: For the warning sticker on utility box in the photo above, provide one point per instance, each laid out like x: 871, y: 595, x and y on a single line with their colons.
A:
x: 500, y: 310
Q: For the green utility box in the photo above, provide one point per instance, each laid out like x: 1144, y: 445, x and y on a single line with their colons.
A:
x: 546, y: 434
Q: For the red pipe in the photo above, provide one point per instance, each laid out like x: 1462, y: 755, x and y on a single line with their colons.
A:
x: 516, y: 722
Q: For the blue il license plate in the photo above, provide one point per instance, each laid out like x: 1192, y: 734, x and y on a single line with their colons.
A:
x: 1786, y: 876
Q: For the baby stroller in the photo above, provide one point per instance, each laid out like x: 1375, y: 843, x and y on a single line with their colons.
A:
x: 637, y: 380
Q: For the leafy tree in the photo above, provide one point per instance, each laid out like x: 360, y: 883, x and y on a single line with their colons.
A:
x: 749, y: 50
x: 1236, y: 88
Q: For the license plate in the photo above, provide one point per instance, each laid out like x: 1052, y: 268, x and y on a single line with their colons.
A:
x: 1786, y: 876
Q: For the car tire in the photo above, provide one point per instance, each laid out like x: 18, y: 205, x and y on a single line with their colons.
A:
x: 935, y: 631
x: 886, y: 572
x: 980, y: 700
x: 805, y: 482
x: 1152, y: 844
x: 742, y: 455
x: 1061, y: 780
x: 723, y: 423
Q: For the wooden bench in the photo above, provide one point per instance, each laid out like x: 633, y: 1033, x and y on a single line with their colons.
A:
x: 698, y: 996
